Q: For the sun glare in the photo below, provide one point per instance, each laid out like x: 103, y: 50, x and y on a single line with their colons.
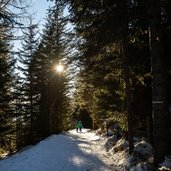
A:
x: 59, y: 68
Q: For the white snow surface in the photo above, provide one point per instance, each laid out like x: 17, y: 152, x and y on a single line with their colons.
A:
x: 86, y: 151
x: 64, y: 152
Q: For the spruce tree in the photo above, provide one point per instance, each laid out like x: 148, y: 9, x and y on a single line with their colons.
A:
x: 6, y: 108
x: 54, y: 85
x: 29, y: 45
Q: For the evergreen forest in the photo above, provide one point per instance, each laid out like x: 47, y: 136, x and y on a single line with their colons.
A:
x: 114, y: 68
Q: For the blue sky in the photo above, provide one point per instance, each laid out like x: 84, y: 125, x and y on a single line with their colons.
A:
x: 39, y: 10
x: 39, y: 7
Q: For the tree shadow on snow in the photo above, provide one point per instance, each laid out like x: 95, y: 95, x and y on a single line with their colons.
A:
x: 77, y: 156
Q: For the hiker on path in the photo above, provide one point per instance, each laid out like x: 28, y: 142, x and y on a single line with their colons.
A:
x: 79, y: 126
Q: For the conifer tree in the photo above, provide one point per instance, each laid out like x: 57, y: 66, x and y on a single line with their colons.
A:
x: 29, y: 46
x: 10, y: 14
x: 6, y: 108
x: 54, y: 85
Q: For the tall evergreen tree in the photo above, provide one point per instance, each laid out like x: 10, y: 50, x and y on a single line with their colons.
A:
x: 54, y: 85
x: 6, y: 112
x: 10, y: 14
x: 29, y: 46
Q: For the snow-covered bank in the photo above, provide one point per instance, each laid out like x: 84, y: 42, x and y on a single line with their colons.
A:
x: 86, y: 151
x: 140, y: 160
x: 142, y: 157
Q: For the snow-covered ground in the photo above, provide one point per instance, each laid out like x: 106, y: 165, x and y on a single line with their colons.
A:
x: 86, y: 151
x: 65, y: 152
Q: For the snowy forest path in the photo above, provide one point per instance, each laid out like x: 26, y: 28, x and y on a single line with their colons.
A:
x: 70, y: 151
x: 93, y: 148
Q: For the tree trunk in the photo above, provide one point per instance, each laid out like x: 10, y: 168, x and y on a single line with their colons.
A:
x: 159, y: 101
x: 126, y: 72
x: 128, y: 95
x: 150, y: 128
